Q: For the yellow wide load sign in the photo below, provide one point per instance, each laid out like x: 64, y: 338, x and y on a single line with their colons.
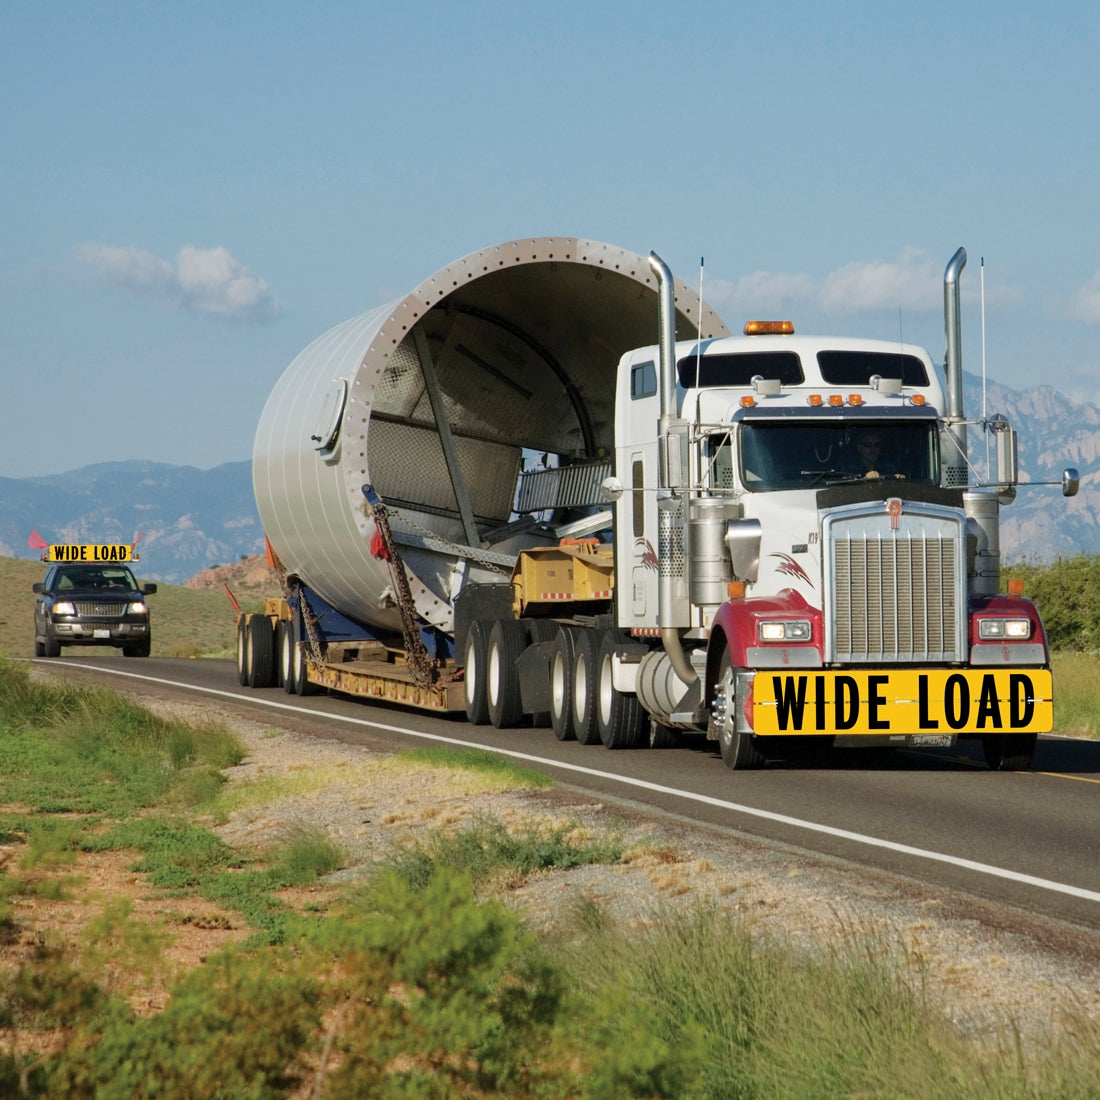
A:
x: 100, y: 552
x: 904, y: 701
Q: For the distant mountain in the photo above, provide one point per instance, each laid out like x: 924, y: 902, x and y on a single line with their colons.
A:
x: 192, y: 518
x: 1054, y: 432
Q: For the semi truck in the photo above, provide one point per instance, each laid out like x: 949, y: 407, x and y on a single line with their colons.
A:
x: 501, y: 495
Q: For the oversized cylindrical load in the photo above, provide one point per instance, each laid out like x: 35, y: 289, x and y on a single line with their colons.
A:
x: 433, y: 399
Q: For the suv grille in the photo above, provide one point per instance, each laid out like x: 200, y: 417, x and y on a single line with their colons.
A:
x: 88, y: 609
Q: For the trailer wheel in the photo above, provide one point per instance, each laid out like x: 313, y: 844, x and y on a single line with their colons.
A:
x: 299, y: 682
x: 1009, y: 752
x: 507, y: 641
x: 283, y: 657
x: 261, y: 652
x: 620, y: 718
x: 474, y: 658
x: 738, y: 748
x: 243, y: 658
x: 562, y: 662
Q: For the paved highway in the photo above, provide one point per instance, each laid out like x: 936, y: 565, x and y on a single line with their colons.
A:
x: 1029, y: 840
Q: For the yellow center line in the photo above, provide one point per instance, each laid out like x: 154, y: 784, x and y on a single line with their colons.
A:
x: 1060, y: 775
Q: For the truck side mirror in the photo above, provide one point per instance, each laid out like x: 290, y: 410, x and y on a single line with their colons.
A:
x: 148, y: 589
x: 1071, y: 482
x: 38, y: 587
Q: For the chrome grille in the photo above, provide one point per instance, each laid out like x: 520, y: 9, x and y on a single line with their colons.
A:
x: 896, y: 596
x: 88, y: 609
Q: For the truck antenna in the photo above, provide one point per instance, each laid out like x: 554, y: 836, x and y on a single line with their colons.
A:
x: 699, y: 342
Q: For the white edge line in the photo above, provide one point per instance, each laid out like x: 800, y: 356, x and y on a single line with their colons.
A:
x: 643, y: 784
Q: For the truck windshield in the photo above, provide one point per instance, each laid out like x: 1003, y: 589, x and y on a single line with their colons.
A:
x: 782, y: 455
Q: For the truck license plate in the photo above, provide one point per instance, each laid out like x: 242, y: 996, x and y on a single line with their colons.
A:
x: 101, y: 633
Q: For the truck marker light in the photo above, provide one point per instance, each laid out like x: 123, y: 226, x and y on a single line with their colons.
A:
x: 815, y: 399
x: 835, y: 399
x: 769, y: 328
x: 736, y: 590
x: 917, y: 399
x: 855, y: 399
x: 1015, y: 586
x: 748, y: 401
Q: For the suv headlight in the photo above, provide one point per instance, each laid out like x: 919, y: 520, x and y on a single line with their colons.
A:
x: 784, y: 630
x: 1004, y: 628
x: 137, y: 608
x: 64, y: 607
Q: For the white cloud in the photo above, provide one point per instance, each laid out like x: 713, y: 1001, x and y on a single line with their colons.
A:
x: 203, y: 280
x: 1085, y: 303
x: 913, y: 281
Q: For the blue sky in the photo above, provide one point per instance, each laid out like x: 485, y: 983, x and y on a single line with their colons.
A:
x: 191, y: 193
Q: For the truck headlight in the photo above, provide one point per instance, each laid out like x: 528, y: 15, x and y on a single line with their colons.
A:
x: 784, y: 630
x: 1004, y: 628
x: 64, y: 607
x: 137, y: 608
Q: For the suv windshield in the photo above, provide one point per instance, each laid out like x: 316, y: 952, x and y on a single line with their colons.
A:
x: 98, y: 578
x: 784, y: 455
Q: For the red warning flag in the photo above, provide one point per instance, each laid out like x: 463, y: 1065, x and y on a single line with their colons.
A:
x: 37, y: 542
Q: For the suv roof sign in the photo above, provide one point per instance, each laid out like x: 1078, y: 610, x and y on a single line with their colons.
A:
x: 92, y: 552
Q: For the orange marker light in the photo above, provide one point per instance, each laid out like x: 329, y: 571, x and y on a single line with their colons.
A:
x: 1015, y: 586
x: 835, y: 399
x: 855, y: 399
x: 748, y: 401
x: 815, y: 399
x: 769, y: 328
x: 917, y: 399
x: 736, y: 590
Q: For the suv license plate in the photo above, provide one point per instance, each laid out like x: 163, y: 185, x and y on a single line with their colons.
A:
x: 101, y: 633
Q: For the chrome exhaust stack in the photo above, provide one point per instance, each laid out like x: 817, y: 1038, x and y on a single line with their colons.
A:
x: 954, y: 453
x: 673, y: 605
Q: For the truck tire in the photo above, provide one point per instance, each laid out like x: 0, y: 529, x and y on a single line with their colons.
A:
x: 281, y: 664
x: 51, y: 647
x: 474, y: 660
x: 299, y: 682
x: 261, y: 652
x: 1009, y: 752
x: 507, y: 641
x: 620, y: 718
x: 738, y: 748
x: 562, y: 661
x: 585, y: 667
x: 243, y: 659
x: 138, y: 649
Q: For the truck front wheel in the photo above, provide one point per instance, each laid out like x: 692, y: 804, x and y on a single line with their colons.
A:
x: 738, y: 747
x: 1009, y: 752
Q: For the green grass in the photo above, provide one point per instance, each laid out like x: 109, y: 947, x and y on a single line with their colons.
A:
x: 485, y: 847
x: 1076, y: 694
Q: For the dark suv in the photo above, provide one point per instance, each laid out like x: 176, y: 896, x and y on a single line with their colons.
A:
x: 85, y: 604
